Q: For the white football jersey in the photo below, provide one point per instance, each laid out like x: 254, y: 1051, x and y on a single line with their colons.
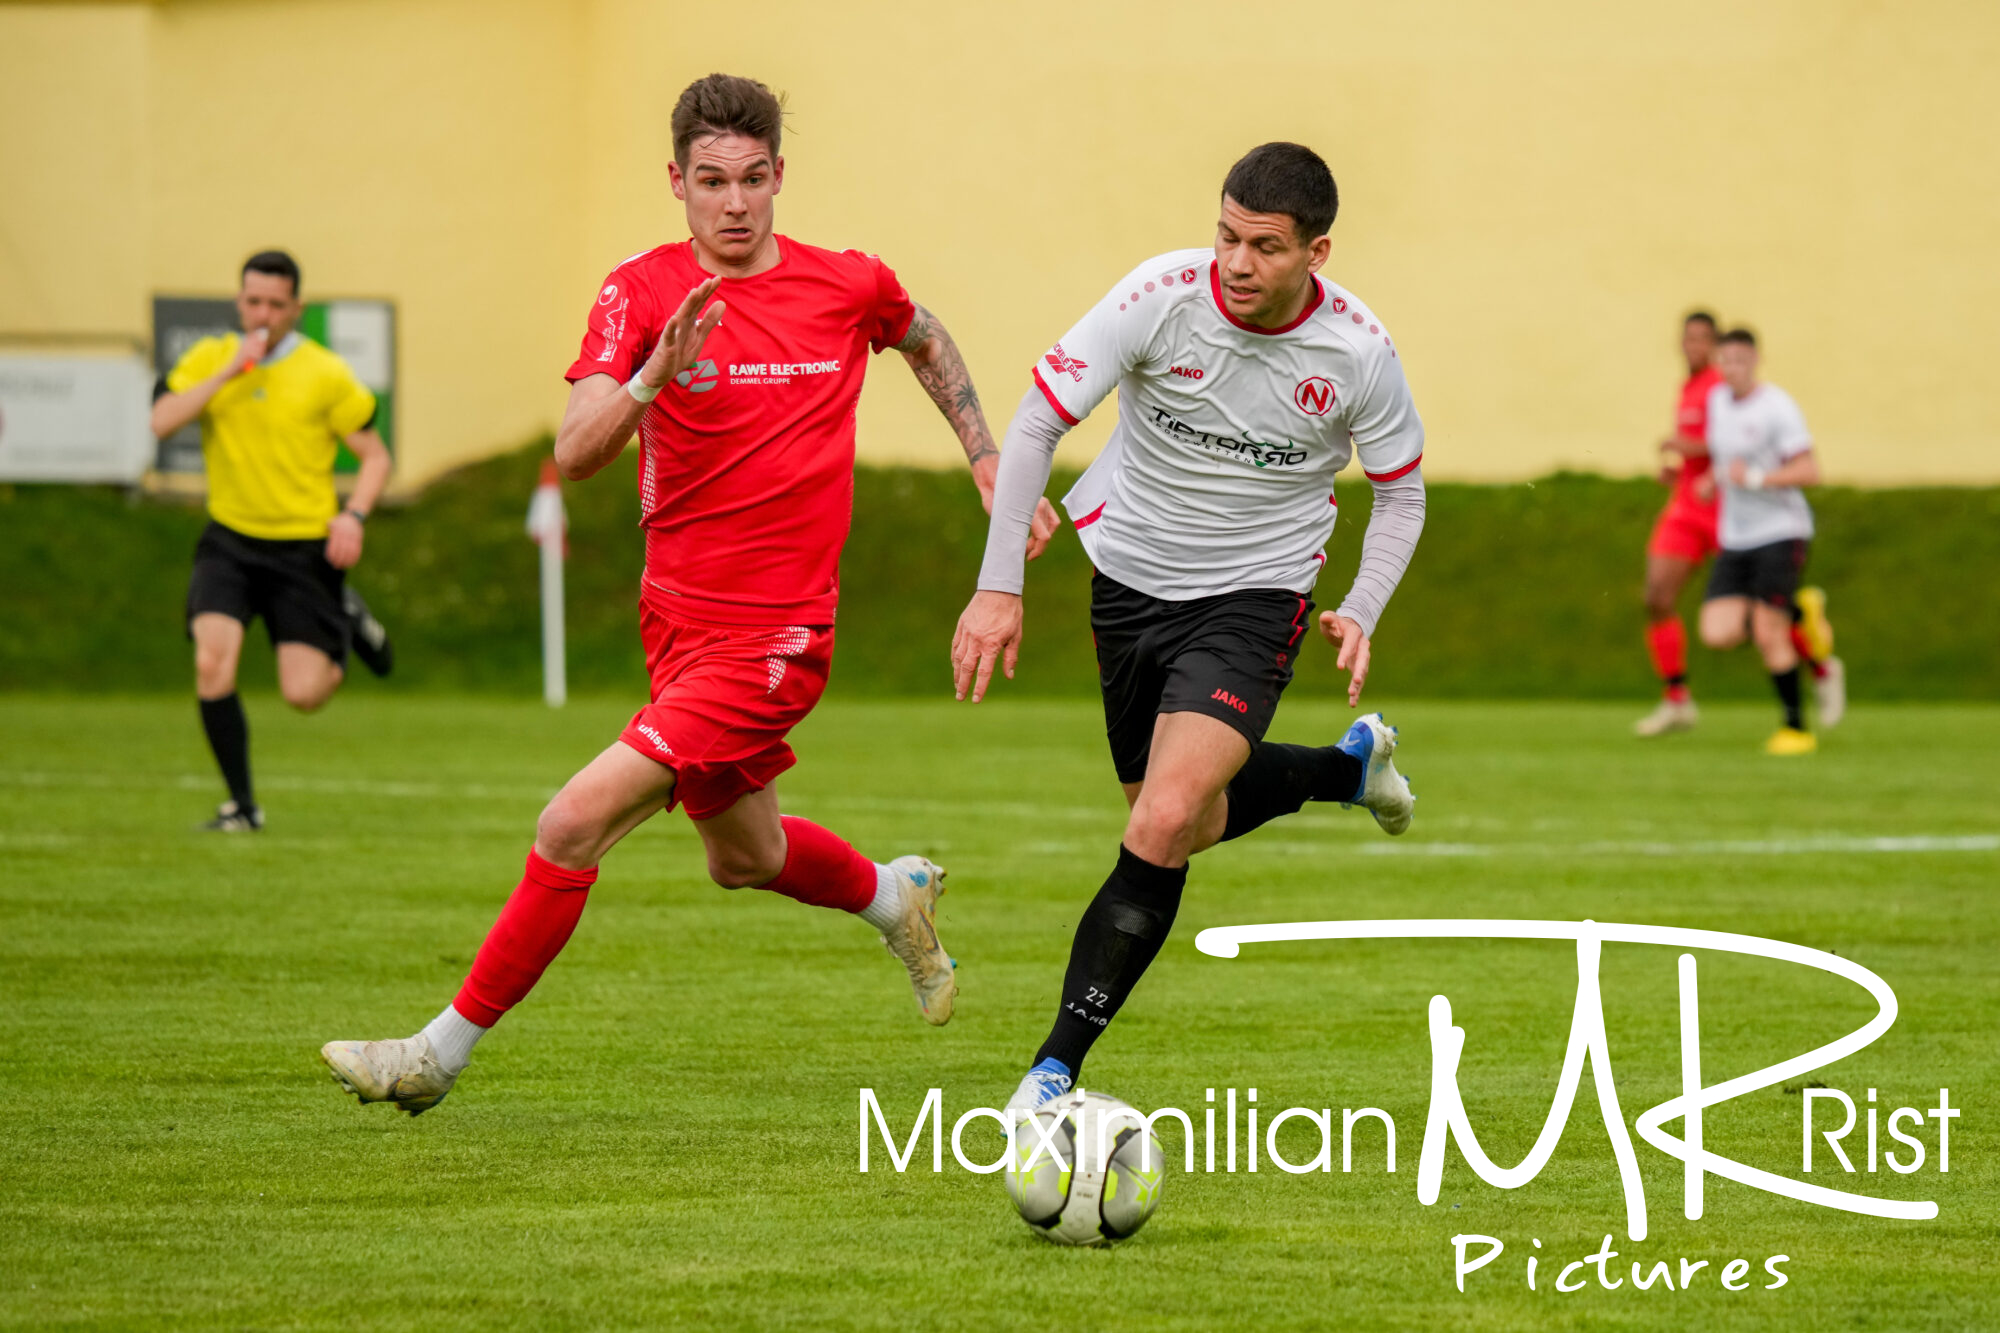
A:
x: 1764, y: 430
x: 1219, y: 473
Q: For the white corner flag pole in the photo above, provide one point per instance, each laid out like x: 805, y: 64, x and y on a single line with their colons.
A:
x: 548, y: 525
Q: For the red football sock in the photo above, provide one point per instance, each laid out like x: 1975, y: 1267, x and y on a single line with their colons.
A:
x: 1800, y: 646
x: 822, y: 870
x: 531, y: 931
x: 1667, y: 641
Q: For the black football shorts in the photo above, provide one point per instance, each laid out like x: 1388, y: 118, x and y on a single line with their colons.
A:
x: 1228, y: 656
x: 289, y: 583
x: 1764, y: 573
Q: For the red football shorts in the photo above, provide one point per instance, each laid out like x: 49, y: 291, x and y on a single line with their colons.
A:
x: 1685, y: 530
x: 723, y: 702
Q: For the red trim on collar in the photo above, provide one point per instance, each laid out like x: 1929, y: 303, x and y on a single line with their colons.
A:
x: 1215, y: 291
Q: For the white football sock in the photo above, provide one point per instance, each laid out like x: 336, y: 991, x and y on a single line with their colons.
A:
x: 887, y: 909
x: 452, y: 1036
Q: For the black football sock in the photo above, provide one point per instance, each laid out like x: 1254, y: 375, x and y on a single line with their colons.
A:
x: 1116, y: 941
x: 1277, y: 779
x: 229, y: 736
x: 1787, y: 685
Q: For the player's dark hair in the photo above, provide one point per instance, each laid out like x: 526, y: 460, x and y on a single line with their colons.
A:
x: 1741, y: 335
x: 1701, y: 317
x: 727, y: 104
x: 274, y: 262
x: 1287, y: 178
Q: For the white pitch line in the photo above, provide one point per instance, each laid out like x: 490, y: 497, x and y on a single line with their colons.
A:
x: 486, y: 792
x: 1831, y: 844
x: 1817, y: 845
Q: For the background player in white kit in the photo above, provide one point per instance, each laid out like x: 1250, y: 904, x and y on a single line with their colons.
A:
x: 1245, y: 383
x: 1763, y: 455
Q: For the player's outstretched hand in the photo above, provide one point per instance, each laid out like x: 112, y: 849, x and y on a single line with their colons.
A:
x: 989, y: 635
x: 1345, y: 635
x: 681, y: 343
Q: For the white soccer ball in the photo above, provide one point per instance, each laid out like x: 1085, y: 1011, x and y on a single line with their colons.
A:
x: 1085, y: 1170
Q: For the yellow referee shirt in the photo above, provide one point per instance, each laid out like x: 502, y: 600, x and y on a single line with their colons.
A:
x: 269, y: 437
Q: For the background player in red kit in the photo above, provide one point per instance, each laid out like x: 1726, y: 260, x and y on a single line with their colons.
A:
x: 1684, y: 535
x: 744, y: 409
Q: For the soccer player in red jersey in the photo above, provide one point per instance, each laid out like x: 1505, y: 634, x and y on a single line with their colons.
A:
x: 744, y: 407
x: 1684, y: 535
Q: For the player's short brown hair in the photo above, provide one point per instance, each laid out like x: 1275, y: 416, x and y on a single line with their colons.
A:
x: 1741, y: 335
x: 1286, y: 178
x: 727, y: 104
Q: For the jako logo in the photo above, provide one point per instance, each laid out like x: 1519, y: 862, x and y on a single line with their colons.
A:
x: 699, y: 378
x: 1226, y: 697
x: 1187, y: 372
x: 1065, y: 364
x: 1314, y: 396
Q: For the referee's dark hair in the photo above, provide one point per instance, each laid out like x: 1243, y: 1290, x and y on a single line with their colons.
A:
x: 1286, y: 178
x: 1701, y: 317
x: 1741, y: 335
x: 274, y: 262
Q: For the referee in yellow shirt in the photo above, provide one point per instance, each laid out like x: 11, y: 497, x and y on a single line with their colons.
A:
x: 274, y: 406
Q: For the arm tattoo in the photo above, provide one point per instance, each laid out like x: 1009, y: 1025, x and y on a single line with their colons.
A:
x: 935, y: 360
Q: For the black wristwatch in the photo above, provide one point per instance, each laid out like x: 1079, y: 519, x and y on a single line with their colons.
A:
x: 355, y: 514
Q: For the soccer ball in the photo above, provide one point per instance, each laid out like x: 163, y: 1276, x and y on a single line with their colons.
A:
x: 1102, y: 1182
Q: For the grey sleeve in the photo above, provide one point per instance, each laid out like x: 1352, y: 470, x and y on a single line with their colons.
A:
x: 1026, y: 457
x: 1394, y: 524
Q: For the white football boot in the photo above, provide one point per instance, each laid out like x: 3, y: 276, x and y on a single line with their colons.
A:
x: 1384, y: 792
x: 1672, y: 715
x: 1830, y: 694
x: 1044, y: 1083
x: 403, y: 1072
x: 914, y: 939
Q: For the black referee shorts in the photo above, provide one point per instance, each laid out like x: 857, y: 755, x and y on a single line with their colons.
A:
x: 289, y: 583
x: 1763, y: 573
x: 1229, y: 657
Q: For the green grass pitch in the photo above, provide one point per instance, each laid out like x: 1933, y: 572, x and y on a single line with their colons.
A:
x: 665, y: 1133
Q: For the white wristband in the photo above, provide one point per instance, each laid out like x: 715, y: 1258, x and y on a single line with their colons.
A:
x: 641, y: 392
x: 1753, y: 477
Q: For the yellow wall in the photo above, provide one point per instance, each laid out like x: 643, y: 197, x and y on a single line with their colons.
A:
x: 1532, y: 193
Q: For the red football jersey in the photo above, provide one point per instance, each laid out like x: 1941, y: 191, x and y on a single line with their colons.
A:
x: 1692, y: 423
x: 746, y: 462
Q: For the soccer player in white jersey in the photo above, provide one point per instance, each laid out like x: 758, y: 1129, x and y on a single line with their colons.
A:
x: 1245, y: 382
x: 1763, y: 456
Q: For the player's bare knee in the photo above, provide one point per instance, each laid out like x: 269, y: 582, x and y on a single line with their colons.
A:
x: 739, y: 868
x: 1162, y: 827
x: 308, y: 697
x: 566, y: 834
x: 1724, y: 631
x: 214, y: 671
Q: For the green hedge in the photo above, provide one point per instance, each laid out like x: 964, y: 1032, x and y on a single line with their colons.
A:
x: 1521, y: 591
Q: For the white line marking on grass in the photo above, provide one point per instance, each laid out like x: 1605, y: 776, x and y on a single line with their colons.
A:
x: 485, y: 792
x: 330, y: 786
x: 1816, y: 845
